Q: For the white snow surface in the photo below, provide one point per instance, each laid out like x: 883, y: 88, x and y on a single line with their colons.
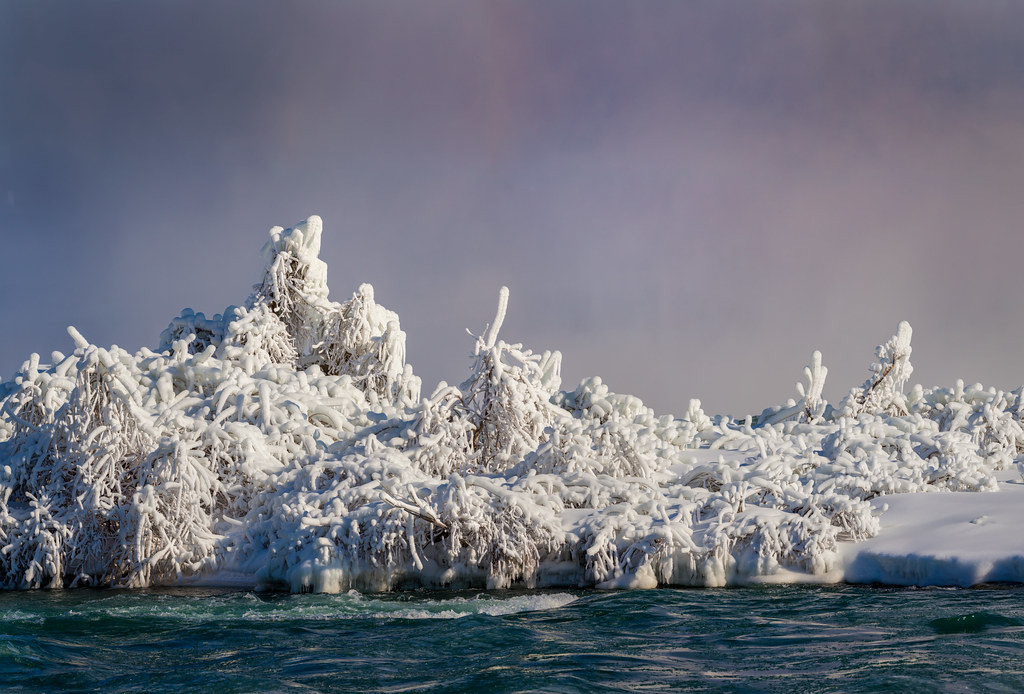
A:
x: 285, y: 443
x: 957, y: 539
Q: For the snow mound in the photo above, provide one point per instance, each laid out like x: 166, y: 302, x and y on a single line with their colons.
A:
x: 287, y: 441
x: 944, y: 540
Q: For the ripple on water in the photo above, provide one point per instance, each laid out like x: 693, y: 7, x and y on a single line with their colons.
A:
x: 838, y: 638
x: 973, y: 623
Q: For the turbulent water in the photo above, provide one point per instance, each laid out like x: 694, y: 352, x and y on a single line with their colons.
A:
x: 777, y: 638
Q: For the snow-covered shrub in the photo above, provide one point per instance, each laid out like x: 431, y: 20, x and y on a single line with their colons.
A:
x: 256, y: 337
x: 34, y: 554
x: 169, y: 525
x: 287, y: 438
x: 441, y: 434
x: 810, y: 407
x: 294, y: 285
x: 198, y: 331
x: 883, y: 391
x: 990, y: 417
x: 363, y: 340
x: 507, y: 397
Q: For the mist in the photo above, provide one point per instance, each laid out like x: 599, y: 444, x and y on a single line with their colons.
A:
x: 686, y: 199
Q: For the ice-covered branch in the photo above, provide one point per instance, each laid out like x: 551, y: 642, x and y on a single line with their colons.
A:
x: 883, y: 391
x: 810, y: 407
x: 286, y: 438
x: 499, y: 317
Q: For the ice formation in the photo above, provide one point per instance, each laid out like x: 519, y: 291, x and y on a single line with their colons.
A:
x: 287, y: 440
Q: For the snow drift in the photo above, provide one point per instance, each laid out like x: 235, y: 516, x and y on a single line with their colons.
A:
x: 288, y: 440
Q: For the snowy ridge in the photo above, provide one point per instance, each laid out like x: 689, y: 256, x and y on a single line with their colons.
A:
x: 287, y: 440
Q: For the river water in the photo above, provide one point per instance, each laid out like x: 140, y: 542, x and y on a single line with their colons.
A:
x: 769, y: 638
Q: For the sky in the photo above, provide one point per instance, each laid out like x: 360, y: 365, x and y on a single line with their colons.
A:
x: 684, y: 198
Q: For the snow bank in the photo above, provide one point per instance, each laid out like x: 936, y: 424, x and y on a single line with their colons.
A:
x: 286, y: 442
x: 944, y: 539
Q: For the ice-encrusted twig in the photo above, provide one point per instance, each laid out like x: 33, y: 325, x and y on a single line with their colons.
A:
x: 421, y: 511
x: 260, y: 440
x: 491, y: 336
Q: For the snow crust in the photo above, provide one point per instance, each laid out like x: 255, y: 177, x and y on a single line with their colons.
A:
x: 285, y: 443
x: 946, y: 540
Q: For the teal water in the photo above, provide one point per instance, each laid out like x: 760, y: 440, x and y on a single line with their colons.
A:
x: 778, y: 638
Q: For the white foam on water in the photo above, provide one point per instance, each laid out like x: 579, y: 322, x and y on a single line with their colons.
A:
x: 7, y: 617
x: 457, y: 608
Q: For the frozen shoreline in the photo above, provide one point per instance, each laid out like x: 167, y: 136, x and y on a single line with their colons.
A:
x: 288, y: 440
x: 957, y: 539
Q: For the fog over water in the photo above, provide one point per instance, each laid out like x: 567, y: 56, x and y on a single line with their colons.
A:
x: 686, y: 199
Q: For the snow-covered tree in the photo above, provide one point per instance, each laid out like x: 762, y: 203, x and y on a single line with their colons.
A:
x: 508, y: 396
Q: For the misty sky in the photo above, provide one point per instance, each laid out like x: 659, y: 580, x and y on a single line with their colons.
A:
x: 685, y: 198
